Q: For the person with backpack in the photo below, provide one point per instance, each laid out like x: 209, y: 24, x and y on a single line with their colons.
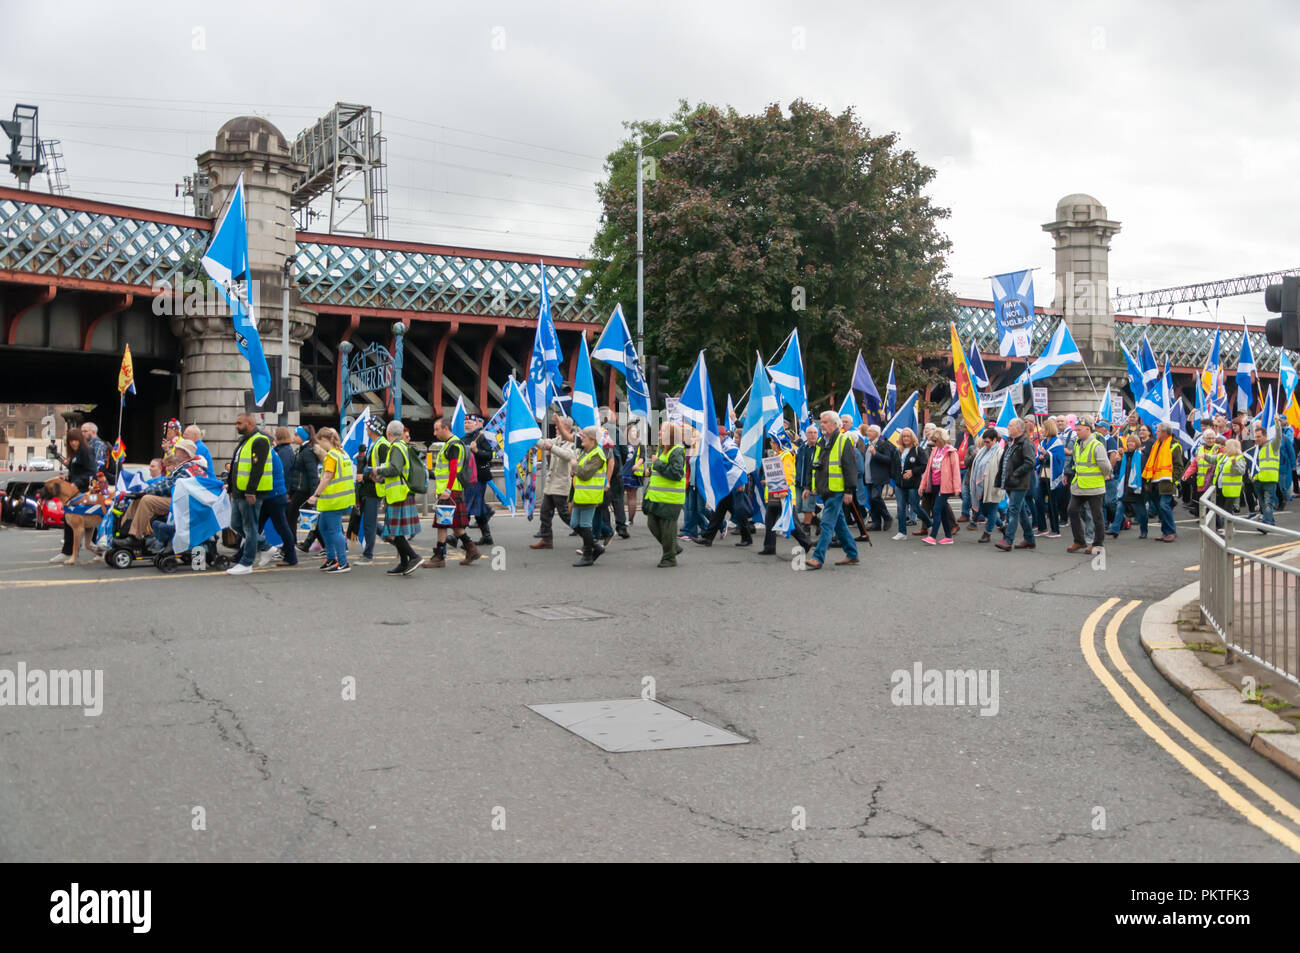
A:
x: 449, y: 471
x: 478, y: 474
x: 368, y: 458
x: 399, y: 478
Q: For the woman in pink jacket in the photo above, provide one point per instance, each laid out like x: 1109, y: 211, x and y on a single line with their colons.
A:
x: 943, y: 479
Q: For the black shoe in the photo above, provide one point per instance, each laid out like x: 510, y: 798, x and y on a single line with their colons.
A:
x: 328, y: 564
x: 304, y: 547
x: 597, y: 552
x: 702, y: 541
x: 623, y: 534
x: 584, y: 561
x: 484, y: 541
x: 766, y: 552
x: 745, y: 542
x: 396, y: 570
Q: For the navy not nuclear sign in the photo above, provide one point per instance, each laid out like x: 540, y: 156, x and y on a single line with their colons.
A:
x: 1013, y: 306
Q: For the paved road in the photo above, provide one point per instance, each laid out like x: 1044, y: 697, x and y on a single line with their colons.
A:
x: 226, y: 694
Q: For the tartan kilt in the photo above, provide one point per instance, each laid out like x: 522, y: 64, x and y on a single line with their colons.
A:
x: 401, y: 519
x: 459, y: 519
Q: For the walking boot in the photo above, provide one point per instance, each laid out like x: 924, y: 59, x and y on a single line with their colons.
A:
x: 471, y: 550
x: 438, y: 559
x: 588, y: 543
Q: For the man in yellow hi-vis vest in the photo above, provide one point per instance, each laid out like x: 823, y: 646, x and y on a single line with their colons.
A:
x: 249, y: 483
x: 449, y: 476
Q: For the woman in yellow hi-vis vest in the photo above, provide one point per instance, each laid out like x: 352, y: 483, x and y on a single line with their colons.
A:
x: 588, y: 493
x: 334, y: 498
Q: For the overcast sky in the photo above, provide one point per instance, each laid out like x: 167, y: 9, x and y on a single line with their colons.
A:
x: 1182, y: 118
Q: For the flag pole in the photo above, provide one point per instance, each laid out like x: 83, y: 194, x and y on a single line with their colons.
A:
x: 121, y: 407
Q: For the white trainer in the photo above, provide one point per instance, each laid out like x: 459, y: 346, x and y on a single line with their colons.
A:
x: 264, y: 558
x: 897, y: 536
x: 239, y: 569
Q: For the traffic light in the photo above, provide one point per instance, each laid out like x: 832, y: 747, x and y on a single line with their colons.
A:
x: 1283, y: 299
x: 654, y: 379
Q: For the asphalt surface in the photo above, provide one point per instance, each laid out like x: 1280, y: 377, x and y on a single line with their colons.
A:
x: 226, y: 693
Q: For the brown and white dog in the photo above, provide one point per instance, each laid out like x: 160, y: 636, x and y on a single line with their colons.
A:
x: 82, y: 525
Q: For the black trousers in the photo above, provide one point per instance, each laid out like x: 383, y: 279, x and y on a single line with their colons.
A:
x: 771, y: 513
x: 1094, y: 504
x: 552, y: 504
x: 725, y: 505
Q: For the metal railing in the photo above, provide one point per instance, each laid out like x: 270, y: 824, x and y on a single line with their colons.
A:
x: 1249, y: 599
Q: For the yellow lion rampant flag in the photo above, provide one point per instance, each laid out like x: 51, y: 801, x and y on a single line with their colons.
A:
x: 970, y: 402
x: 126, y: 375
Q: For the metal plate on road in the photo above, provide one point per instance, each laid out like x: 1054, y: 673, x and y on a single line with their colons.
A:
x: 564, y: 613
x: 635, y: 724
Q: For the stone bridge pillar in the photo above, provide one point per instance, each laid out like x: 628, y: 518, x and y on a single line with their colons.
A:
x: 1082, y: 232
x: 214, y: 374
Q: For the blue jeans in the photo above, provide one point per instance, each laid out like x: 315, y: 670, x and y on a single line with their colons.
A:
x: 1111, y: 499
x: 245, y: 518
x: 369, y: 519
x: 989, y: 513
x: 275, y: 511
x: 941, y: 524
x: 834, y: 523
x: 1166, y: 507
x: 1139, y: 510
x: 909, y: 502
x: 966, y: 505
x: 582, y: 517
x: 1018, y: 512
x: 693, y: 513
x: 1266, y: 492
x: 331, y: 536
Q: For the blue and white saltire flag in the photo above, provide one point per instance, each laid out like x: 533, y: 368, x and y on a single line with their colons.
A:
x: 131, y: 481
x: 1245, y: 371
x: 457, y: 425
x: 906, y: 417
x: 1008, y: 414
x: 850, y: 407
x: 616, y: 348
x: 1013, y: 307
x: 761, y: 413
x: 1178, y: 417
x: 226, y: 262
x: 891, y: 393
x: 521, y: 432
x: 1218, y: 396
x: 1202, y: 412
x: 976, y: 364
x: 731, y: 414
x: 544, y: 376
x: 1268, y: 416
x: 358, y: 434
x: 785, y: 522
x: 862, y: 381
x: 1153, y: 407
x: 584, y: 389
x: 1134, y: 371
x: 1287, y: 379
x: 1061, y: 350
x: 788, y: 379
x: 717, y: 474
x: 1150, y: 367
x: 1104, y: 409
x: 200, y: 510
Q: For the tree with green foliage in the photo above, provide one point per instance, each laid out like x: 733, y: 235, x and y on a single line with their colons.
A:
x: 756, y: 224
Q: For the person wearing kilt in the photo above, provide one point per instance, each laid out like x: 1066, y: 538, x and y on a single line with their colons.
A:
x: 476, y: 504
x: 401, y: 516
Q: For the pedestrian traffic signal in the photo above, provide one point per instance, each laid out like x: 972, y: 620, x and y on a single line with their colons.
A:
x: 1283, y: 299
x: 654, y: 379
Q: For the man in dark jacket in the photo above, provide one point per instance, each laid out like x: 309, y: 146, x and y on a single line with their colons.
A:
x: 1015, y: 477
x: 249, y: 483
x: 834, y: 453
x: 882, y: 459
x: 803, y: 462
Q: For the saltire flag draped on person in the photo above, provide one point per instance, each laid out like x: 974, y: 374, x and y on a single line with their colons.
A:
x: 864, y: 383
x: 1134, y: 371
x: 788, y: 378
x: 584, y: 389
x: 358, y: 434
x: 1286, y: 379
x: 521, y: 432
x: 1061, y: 350
x: 544, y: 376
x: 200, y: 509
x: 1150, y: 367
x: 905, y: 418
x: 717, y: 474
x: 226, y: 262
x: 1013, y: 308
x: 761, y: 412
x: 977, y: 371
x: 1007, y: 415
x: 1104, y: 409
x: 616, y: 348
x: 126, y: 374
x: 891, y: 393
x: 457, y: 425
x: 785, y: 522
x: 967, y: 396
x: 1245, y: 371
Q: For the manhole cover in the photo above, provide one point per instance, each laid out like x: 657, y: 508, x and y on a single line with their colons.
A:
x: 564, y: 613
x: 635, y: 724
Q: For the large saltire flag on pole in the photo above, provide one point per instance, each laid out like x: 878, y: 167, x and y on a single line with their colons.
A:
x: 226, y: 262
x: 544, y: 376
x: 1061, y: 350
x: 788, y: 379
x: 967, y: 397
x: 760, y: 413
x: 584, y: 389
x: 718, y: 475
x: 358, y: 434
x: 1008, y: 414
x: 977, y: 371
x: 616, y: 348
x: 1105, y: 410
x: 457, y: 425
x: 521, y: 432
x: 849, y: 408
x: 1013, y: 307
x: 126, y: 374
x: 200, y: 509
x: 1245, y: 371
x: 1150, y: 367
x: 1134, y: 371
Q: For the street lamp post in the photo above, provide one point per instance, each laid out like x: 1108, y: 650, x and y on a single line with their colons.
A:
x: 345, y: 388
x: 668, y: 136
x: 399, y: 334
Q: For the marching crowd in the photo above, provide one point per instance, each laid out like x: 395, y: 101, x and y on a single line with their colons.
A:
x: 1029, y: 482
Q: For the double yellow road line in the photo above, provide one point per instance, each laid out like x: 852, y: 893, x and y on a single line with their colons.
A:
x: 1160, y: 736
x: 1274, y: 550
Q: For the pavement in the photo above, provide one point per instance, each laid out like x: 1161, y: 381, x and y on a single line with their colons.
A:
x: 289, y: 716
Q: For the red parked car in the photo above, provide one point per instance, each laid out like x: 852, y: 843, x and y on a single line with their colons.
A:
x: 49, y: 513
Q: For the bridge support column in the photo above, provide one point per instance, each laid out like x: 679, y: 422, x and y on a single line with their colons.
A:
x: 1082, y: 232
